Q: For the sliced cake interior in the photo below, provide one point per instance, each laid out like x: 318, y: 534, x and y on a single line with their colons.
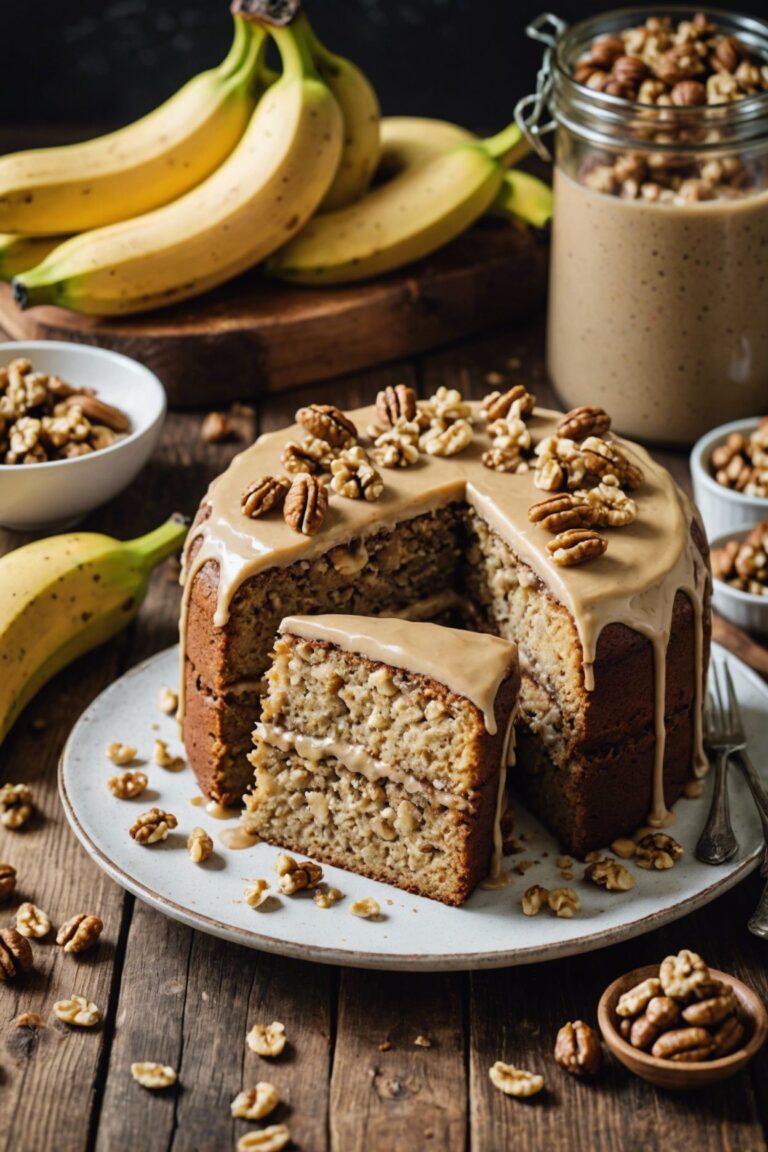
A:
x: 382, y: 748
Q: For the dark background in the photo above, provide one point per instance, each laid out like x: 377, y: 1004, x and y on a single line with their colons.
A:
x: 104, y: 62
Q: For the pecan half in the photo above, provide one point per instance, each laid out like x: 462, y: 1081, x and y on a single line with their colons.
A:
x: 586, y: 420
x: 395, y: 403
x: 679, y: 1040
x: 498, y: 405
x: 15, y: 954
x: 603, y: 459
x: 561, y: 511
x: 577, y: 1049
x: 306, y: 505
x: 263, y: 495
x: 327, y: 422
x: 7, y: 880
x: 80, y: 933
x: 576, y: 546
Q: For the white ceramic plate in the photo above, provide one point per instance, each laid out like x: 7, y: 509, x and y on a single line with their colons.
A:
x: 489, y: 931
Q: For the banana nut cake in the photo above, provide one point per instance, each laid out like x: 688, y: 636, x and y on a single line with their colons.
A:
x: 547, y: 530
x: 382, y: 748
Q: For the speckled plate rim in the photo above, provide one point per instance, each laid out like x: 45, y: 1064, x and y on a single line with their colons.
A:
x: 404, y: 961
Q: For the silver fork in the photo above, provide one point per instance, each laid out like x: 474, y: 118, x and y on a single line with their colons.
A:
x: 725, y: 735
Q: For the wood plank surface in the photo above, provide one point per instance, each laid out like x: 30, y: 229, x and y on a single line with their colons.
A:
x: 174, y: 995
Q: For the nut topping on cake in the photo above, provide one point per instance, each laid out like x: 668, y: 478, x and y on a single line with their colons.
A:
x: 396, y: 403
x: 398, y: 447
x: 517, y: 401
x: 355, y: 477
x: 605, y: 459
x: 310, y: 455
x: 263, y: 495
x: 306, y: 504
x: 586, y: 420
x: 506, y: 460
x: 327, y: 422
x: 612, y: 507
x: 562, y: 511
x: 447, y: 441
x: 577, y: 546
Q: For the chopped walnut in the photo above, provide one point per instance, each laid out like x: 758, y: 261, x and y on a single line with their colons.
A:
x: 163, y: 758
x: 154, y: 1076
x: 152, y: 826
x: 79, y: 933
x: 564, y: 902
x: 273, y: 1138
x: 611, y: 875
x: 534, y: 899
x: 168, y: 701
x: 657, y: 852
x: 326, y: 897
x: 199, y: 846
x: 366, y: 909
x: 257, y: 893
x: 398, y: 447
x: 514, y: 1081
x: 121, y: 754
x: 128, y: 785
x: 32, y: 922
x: 255, y: 1103
x: 7, y: 880
x: 448, y: 441
x: 681, y: 975
x: 267, y: 1040
x: 355, y: 477
x: 77, y: 1011
x: 16, y: 805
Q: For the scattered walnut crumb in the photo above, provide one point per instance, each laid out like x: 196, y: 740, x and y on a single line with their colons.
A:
x: 79, y: 933
x: 273, y: 1138
x: 199, y: 845
x: 17, y: 804
x: 564, y: 902
x: 29, y: 1020
x: 217, y: 427
x: 78, y: 1011
x: 257, y: 894
x: 534, y: 899
x: 153, y: 1076
x: 385, y: 1046
x: 366, y: 909
x: 255, y: 1103
x: 326, y: 897
x: 564, y: 862
x: 163, y: 758
x: 169, y: 701
x: 514, y: 1081
x: 152, y: 826
x: 423, y: 1041
x: 522, y: 866
x: 32, y: 922
x: 120, y: 754
x: 128, y: 785
x: 267, y: 1040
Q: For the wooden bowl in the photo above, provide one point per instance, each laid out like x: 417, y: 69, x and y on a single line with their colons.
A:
x: 666, y: 1073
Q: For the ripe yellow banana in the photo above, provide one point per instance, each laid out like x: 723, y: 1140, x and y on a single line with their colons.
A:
x: 263, y: 193
x: 410, y: 140
x: 360, y: 109
x: 19, y: 252
x: 415, y: 213
x: 62, y: 596
x: 146, y: 164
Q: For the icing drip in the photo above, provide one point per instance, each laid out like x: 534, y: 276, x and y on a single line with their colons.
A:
x: 634, y: 583
x: 470, y: 664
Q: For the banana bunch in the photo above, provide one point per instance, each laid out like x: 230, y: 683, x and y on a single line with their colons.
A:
x: 62, y: 596
x: 242, y: 167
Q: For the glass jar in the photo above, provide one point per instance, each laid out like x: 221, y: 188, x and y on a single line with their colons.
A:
x: 658, y: 306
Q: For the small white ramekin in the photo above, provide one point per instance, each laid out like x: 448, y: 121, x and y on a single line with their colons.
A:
x: 724, y: 510
x: 58, y: 493
x: 748, y: 611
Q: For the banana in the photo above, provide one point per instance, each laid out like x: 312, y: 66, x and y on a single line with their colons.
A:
x: 19, y: 252
x: 415, y: 213
x: 524, y: 197
x: 62, y: 596
x: 148, y: 163
x: 410, y: 140
x: 360, y: 109
x: 263, y: 193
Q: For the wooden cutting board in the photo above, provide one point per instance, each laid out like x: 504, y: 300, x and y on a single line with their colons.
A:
x: 257, y: 335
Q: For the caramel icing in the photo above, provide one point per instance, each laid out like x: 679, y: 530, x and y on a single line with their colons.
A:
x: 634, y: 583
x: 470, y: 664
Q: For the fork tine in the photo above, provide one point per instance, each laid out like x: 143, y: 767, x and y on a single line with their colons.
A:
x: 734, y: 711
x: 709, y: 722
x: 719, y: 695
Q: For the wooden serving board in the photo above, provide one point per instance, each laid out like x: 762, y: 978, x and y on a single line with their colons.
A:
x: 256, y: 335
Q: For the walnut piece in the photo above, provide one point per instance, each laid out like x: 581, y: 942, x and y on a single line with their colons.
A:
x: 273, y: 1138
x: 168, y: 701
x: 32, y: 922
x: 603, y: 458
x: 446, y: 406
x: 611, y: 875
x: 534, y: 899
x: 562, y: 511
x: 310, y: 455
x: 264, y: 495
x: 398, y: 447
x: 448, y: 441
x: 683, y: 974
x: 366, y: 909
x: 153, y: 1076
x: 657, y: 851
x: 79, y: 933
x: 120, y: 754
x: 623, y: 847
x: 294, y: 875
x: 327, y: 422
x: 152, y: 826
x: 216, y: 428
x: 611, y: 506
x: 267, y: 1040
x: 355, y: 477
x: 7, y: 880
x: 306, y: 504
x: 506, y: 460
x: 516, y: 400
x: 163, y: 758
x: 257, y: 893
x: 576, y: 546
x: 564, y: 902
x: 15, y: 954
x: 395, y: 403
x: 128, y: 785
x: 78, y: 1011
x: 30, y: 1020
x: 255, y: 1103
x: 326, y: 897
x: 586, y: 420
x: 578, y: 1050
x: 16, y: 805
x: 514, y: 1081
x: 199, y: 846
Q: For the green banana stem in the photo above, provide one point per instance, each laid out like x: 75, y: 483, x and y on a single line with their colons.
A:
x: 508, y: 146
x: 525, y: 198
x: 294, y: 44
x: 244, y: 61
x: 159, y: 544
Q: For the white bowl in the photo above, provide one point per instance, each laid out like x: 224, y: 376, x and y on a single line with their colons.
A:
x: 746, y: 609
x: 38, y: 497
x: 723, y: 509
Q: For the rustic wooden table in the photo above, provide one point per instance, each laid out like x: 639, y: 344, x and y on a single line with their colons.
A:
x: 176, y: 996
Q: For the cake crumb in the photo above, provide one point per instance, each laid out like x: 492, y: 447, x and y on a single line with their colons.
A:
x: 423, y: 1041
x: 366, y: 909
x: 385, y: 1046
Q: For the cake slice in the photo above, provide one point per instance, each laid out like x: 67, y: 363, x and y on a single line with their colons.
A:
x: 382, y: 748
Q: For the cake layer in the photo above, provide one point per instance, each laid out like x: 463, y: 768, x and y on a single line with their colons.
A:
x: 376, y: 828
